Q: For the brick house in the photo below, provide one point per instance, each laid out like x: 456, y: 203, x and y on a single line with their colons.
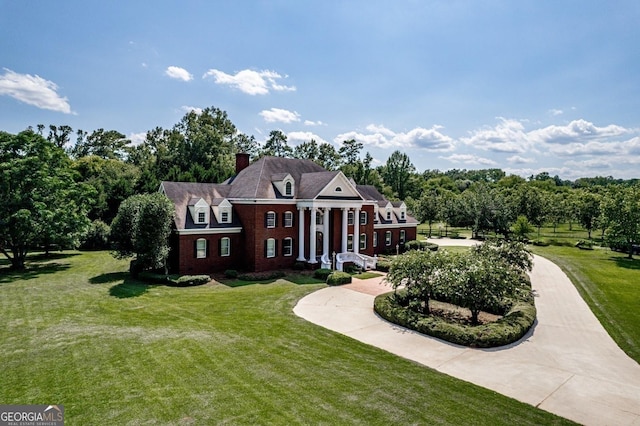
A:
x: 279, y: 211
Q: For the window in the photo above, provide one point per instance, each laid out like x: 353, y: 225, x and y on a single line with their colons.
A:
x: 224, y: 217
x: 287, y: 247
x: 271, y: 247
x: 363, y: 241
x: 338, y: 189
x: 288, y: 189
x: 375, y: 239
x: 403, y: 215
x: 363, y: 218
x: 288, y: 219
x: 201, y: 248
x: 225, y: 246
x: 387, y: 238
x: 388, y: 214
x: 202, y: 216
x: 319, y: 218
x: 271, y: 219
x: 402, y: 235
x: 350, y: 242
x: 350, y: 218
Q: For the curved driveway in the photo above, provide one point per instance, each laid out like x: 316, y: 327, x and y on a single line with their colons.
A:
x: 567, y: 364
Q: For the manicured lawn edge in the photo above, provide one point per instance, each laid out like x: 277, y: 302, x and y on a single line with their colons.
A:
x: 509, y: 329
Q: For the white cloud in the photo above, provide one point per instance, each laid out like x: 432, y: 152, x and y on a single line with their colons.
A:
x: 179, y: 73
x: 250, y: 82
x: 516, y: 159
x: 299, y: 137
x: 379, y: 136
x: 507, y: 136
x: 278, y: 115
x: 137, y: 138
x: 187, y: 108
x: 469, y: 159
x: 33, y: 90
x: 314, y: 123
x: 556, y: 112
x: 576, y: 131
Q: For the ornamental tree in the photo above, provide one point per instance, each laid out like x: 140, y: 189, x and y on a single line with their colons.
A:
x: 141, y: 229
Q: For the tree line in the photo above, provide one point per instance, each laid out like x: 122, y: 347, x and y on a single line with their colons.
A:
x: 61, y: 188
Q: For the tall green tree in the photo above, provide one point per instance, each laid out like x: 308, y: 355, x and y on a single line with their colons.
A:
x: 397, y: 171
x: 41, y: 205
x: 589, y: 210
x: 328, y: 157
x: 142, y: 228
x: 622, y: 212
x: 108, y: 144
x: 277, y: 145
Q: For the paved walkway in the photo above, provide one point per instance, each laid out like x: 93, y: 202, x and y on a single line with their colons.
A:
x: 567, y: 364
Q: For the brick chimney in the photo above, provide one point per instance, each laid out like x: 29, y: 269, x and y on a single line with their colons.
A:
x: 242, y: 161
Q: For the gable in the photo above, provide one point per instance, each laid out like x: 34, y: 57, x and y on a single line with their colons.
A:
x: 339, y: 187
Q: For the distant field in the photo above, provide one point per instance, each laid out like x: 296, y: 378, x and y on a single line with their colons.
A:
x: 77, y: 331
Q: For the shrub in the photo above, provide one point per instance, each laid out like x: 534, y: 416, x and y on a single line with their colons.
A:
x: 353, y: 269
x: 383, y: 265
x: 97, y: 236
x: 338, y: 278
x: 322, y: 273
x: 231, y: 273
x: 190, y: 280
x: 412, y: 245
x: 153, y: 277
x: 261, y: 276
x: 429, y: 246
x: 510, y: 328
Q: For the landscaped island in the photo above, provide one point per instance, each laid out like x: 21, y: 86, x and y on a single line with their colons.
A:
x: 490, y: 278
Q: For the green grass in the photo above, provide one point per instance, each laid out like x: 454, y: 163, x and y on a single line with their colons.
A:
x: 78, y: 332
x: 610, y: 284
x: 366, y: 275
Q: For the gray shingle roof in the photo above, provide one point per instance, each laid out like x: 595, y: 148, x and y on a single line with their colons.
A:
x: 256, y: 182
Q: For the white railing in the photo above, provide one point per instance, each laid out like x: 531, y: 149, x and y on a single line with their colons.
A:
x: 362, y: 260
x: 326, y: 261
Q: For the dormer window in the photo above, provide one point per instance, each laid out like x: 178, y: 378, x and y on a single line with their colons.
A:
x: 199, y: 210
x: 224, y: 217
x: 403, y: 215
x: 388, y: 214
x: 288, y: 189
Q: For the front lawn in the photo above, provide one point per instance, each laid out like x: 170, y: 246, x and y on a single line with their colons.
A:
x: 78, y: 331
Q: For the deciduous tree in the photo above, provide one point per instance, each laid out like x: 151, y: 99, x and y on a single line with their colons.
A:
x: 40, y: 203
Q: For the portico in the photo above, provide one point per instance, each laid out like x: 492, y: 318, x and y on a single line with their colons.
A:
x: 337, y: 221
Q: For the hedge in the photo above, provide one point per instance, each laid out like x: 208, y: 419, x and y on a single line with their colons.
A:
x: 510, y: 328
x: 322, y: 273
x: 338, y: 278
x: 383, y: 265
x: 173, y: 280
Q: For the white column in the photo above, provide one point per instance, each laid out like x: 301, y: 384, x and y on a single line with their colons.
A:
x: 301, y: 257
x: 312, y: 237
x: 325, y: 232
x: 356, y: 231
x: 345, y: 218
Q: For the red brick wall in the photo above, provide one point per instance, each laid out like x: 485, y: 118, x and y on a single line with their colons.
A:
x: 189, y: 264
x: 382, y: 248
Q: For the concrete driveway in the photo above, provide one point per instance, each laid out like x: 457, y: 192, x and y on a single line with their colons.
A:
x: 567, y: 364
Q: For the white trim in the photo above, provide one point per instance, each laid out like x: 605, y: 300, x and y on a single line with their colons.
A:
x: 394, y: 225
x: 209, y: 231
x: 228, y: 247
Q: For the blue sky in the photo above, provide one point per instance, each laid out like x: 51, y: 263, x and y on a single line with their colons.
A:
x: 526, y: 86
